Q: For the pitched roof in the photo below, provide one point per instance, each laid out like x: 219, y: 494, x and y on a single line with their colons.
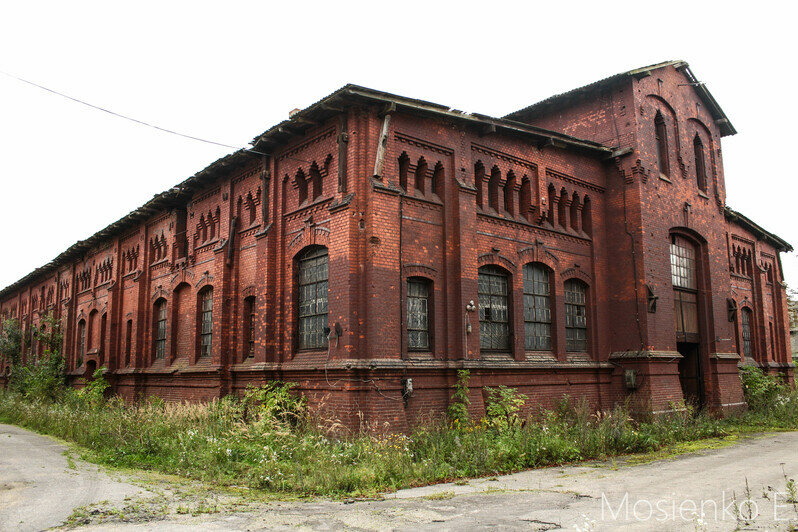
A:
x: 758, y: 231
x: 726, y: 127
x: 266, y: 142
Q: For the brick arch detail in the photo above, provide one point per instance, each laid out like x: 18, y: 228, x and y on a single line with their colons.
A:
x: 577, y: 273
x: 159, y: 293
x: 420, y: 270
x: 205, y: 280
x: 539, y: 253
x: 497, y: 259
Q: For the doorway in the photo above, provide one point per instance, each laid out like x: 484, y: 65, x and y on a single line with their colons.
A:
x: 690, y: 374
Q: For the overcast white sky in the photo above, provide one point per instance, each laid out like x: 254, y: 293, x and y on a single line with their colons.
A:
x: 227, y: 71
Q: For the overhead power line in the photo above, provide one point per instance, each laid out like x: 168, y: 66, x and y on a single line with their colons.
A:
x: 159, y: 128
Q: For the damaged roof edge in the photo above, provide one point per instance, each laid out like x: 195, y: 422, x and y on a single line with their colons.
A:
x: 722, y: 121
x: 136, y: 216
x: 758, y: 230
x: 276, y: 136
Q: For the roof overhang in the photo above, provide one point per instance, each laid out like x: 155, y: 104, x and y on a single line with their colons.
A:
x: 268, y: 142
x: 336, y: 102
x: 748, y: 224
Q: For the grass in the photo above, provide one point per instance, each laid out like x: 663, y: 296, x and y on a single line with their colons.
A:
x: 257, y: 445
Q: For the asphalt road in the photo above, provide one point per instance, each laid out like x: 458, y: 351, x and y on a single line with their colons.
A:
x: 40, y: 486
x: 744, y: 485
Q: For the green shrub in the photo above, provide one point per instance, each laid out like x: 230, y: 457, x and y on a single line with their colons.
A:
x: 459, y: 403
x: 93, y: 394
x: 502, y: 406
x: 761, y: 390
x: 273, y: 403
x: 265, y: 439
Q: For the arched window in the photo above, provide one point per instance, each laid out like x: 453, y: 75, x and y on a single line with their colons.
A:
x: 103, y: 325
x: 404, y: 170
x: 661, y: 137
x: 81, y: 343
x: 418, y: 297
x: 159, y: 329
x: 685, y: 289
x: 746, y: 318
x: 249, y: 326
x: 421, y: 175
x: 494, y: 309
x: 206, y: 321
x: 700, y: 167
x: 552, y: 194
x: 128, y: 341
x: 479, y: 178
x: 575, y: 316
x: 92, y: 329
x: 509, y: 193
x: 537, y: 308
x: 313, y: 275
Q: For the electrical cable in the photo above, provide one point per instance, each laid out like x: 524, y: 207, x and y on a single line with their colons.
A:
x: 141, y: 122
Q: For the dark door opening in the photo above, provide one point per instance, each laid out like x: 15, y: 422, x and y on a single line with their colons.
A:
x: 690, y: 374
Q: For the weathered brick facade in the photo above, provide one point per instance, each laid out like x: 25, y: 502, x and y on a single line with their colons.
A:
x: 198, y: 293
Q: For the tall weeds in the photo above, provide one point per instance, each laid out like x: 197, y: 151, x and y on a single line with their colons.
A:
x: 266, y: 439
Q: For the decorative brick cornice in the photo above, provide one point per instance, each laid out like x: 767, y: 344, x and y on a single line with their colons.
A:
x: 497, y: 154
x: 419, y: 143
x: 574, y: 181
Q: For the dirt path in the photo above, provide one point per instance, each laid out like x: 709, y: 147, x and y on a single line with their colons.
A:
x: 745, y: 485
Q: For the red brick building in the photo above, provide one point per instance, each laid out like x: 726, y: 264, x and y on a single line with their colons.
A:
x: 372, y: 244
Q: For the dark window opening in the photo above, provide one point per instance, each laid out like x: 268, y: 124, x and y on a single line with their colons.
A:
x: 313, y: 276
x: 81, y: 347
x: 206, y: 322
x: 537, y: 308
x: 700, y: 168
x: 418, y: 293
x: 575, y: 316
x: 494, y: 310
x: 128, y: 341
x: 160, y: 329
x: 661, y: 134
x: 249, y: 326
x: 748, y: 344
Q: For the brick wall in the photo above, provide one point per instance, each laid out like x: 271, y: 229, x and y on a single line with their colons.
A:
x: 452, y: 196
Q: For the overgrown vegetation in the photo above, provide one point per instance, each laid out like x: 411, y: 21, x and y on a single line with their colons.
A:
x: 40, y: 375
x: 268, y: 440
